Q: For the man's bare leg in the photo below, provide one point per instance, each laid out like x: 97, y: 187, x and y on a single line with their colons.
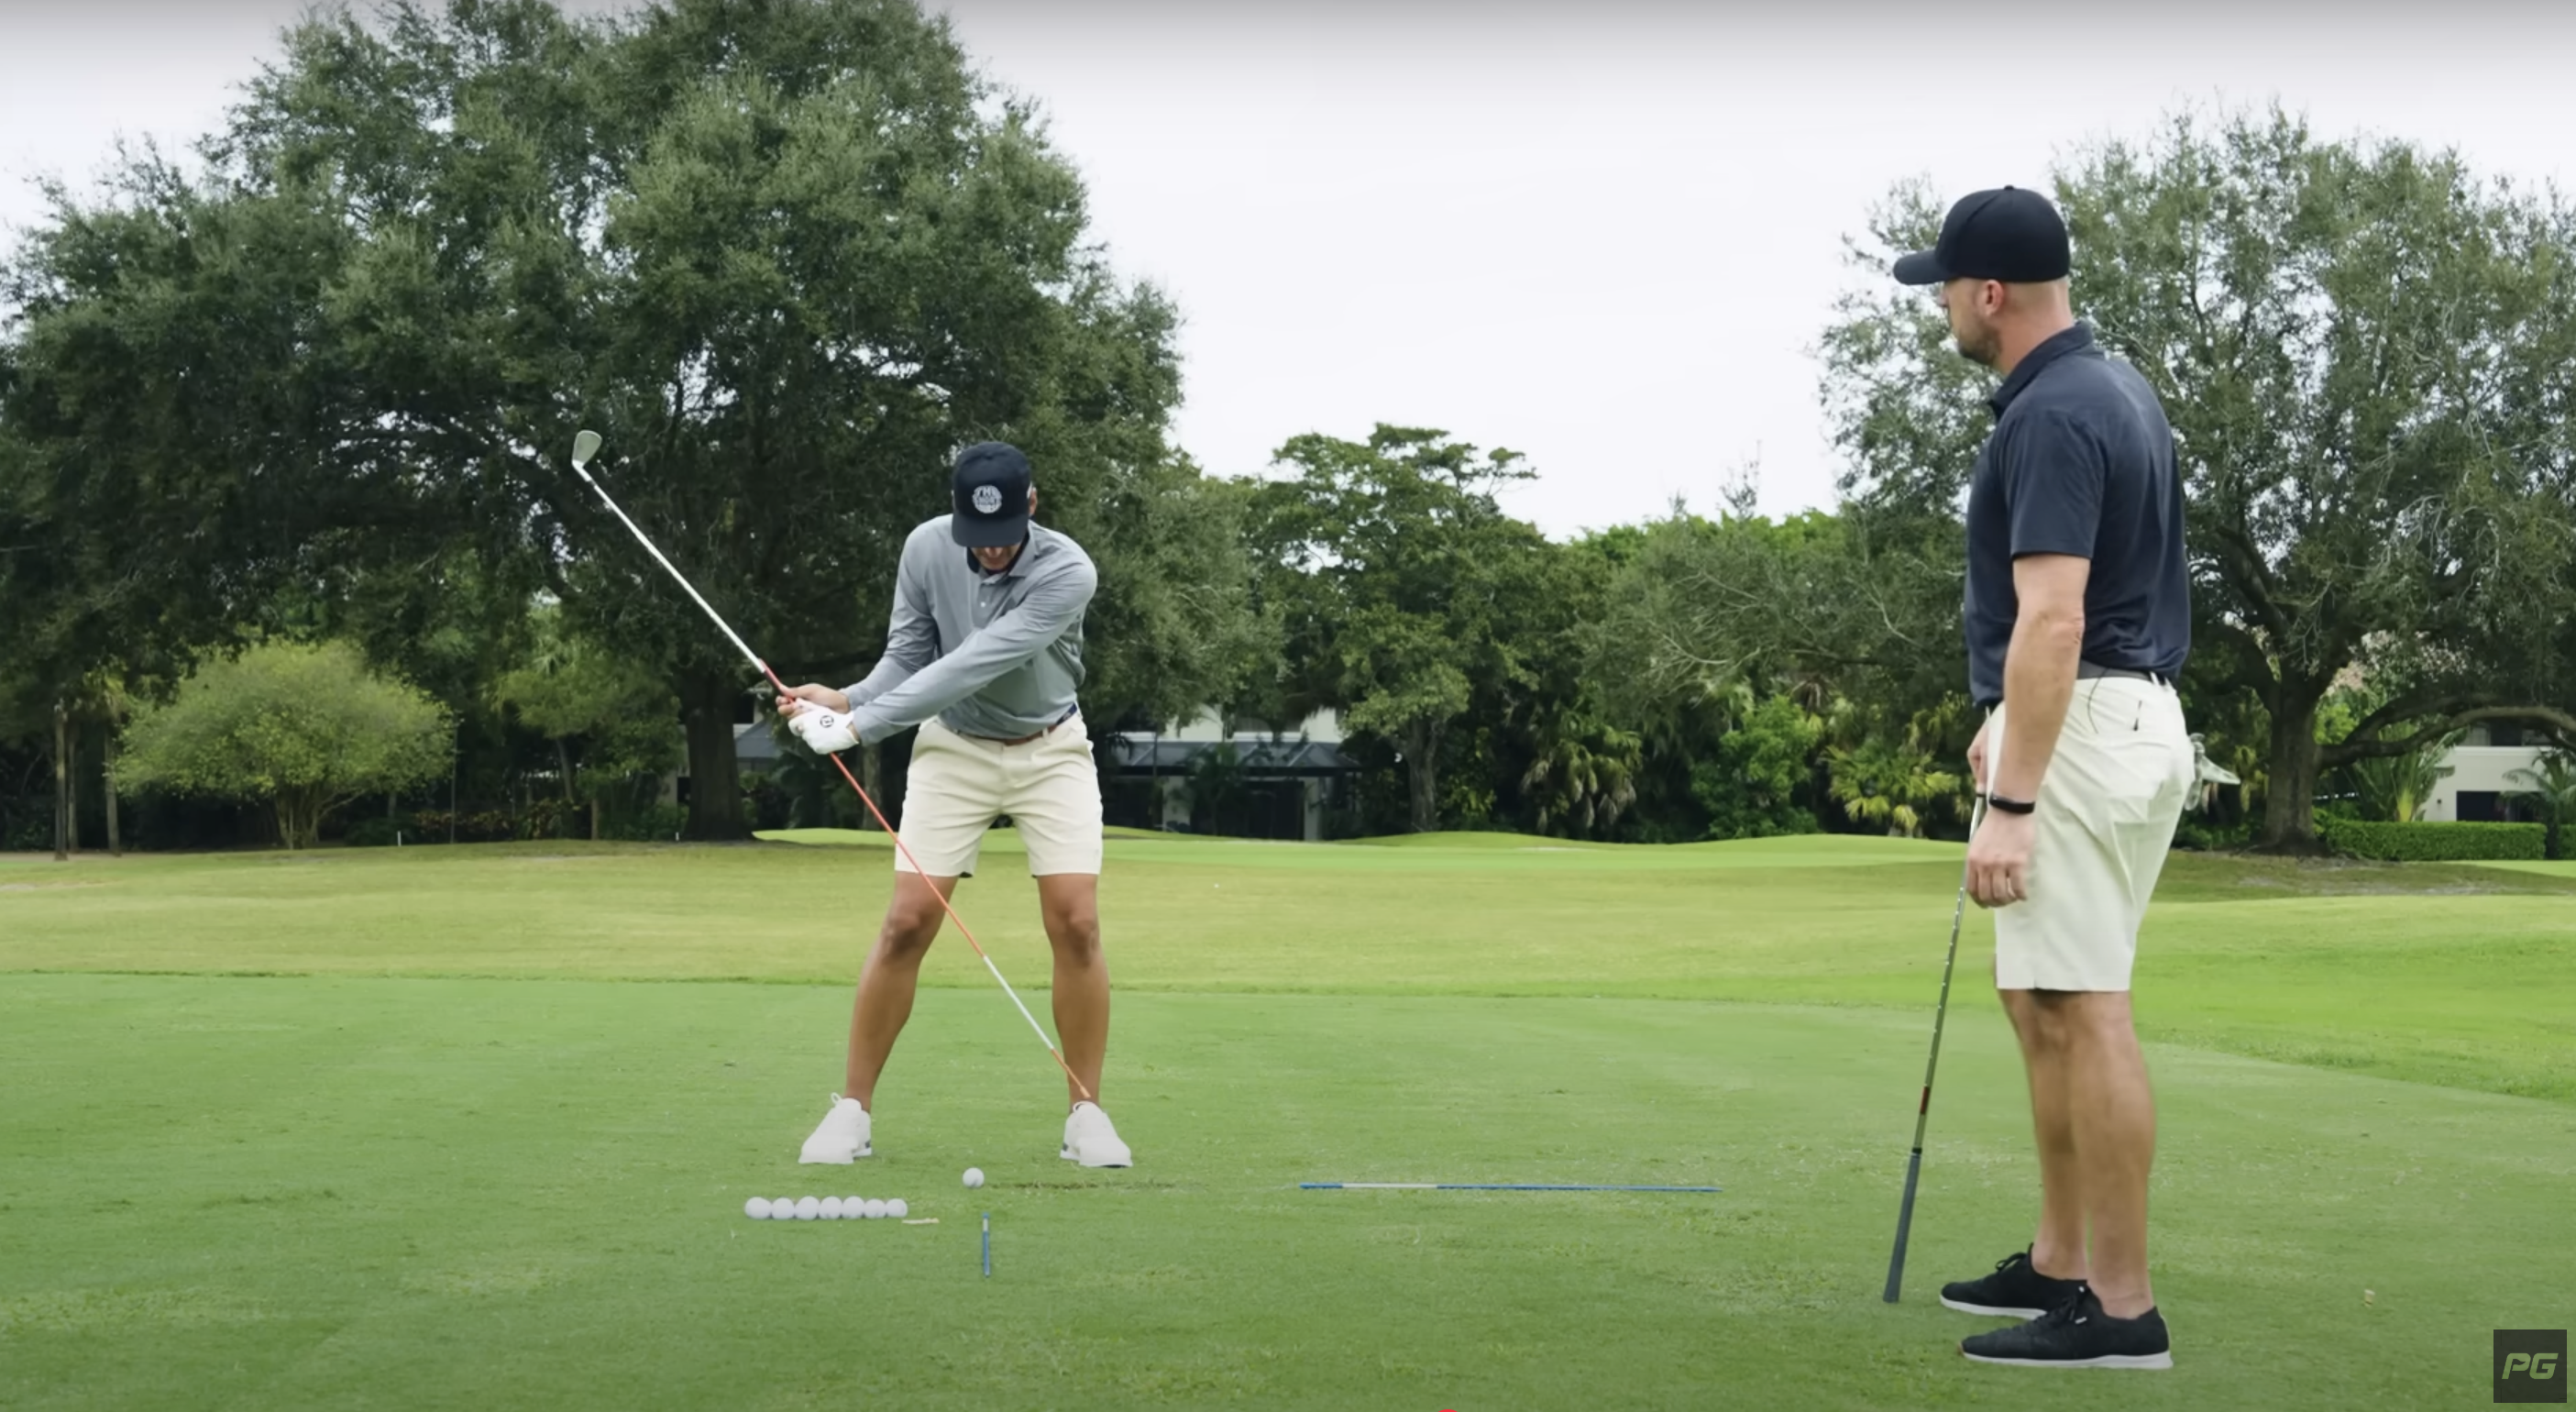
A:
x: 886, y: 984
x: 2057, y: 1248
x: 2114, y: 1113
x: 1070, y: 905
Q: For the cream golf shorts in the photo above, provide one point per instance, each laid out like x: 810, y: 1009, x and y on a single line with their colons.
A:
x: 2107, y: 809
x: 959, y: 785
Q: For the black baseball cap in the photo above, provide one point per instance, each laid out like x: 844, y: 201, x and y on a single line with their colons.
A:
x: 991, y: 491
x: 2006, y: 234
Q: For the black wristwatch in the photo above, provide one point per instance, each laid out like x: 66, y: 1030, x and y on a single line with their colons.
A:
x: 2010, y: 806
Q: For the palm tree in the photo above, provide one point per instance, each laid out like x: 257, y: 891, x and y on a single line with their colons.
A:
x: 2395, y: 787
x: 1882, y: 782
x: 1585, y: 777
x: 2550, y: 789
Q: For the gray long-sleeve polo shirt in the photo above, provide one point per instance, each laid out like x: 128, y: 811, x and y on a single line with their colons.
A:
x: 995, y: 655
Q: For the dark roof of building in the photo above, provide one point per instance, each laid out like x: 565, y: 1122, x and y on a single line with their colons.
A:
x: 1260, y: 756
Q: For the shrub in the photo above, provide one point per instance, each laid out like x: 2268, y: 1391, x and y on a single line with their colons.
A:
x: 2200, y: 836
x: 654, y: 823
x: 300, y: 728
x: 472, y: 826
x: 377, y: 831
x: 2433, y: 843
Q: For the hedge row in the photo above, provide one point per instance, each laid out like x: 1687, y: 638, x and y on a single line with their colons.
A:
x: 2433, y: 843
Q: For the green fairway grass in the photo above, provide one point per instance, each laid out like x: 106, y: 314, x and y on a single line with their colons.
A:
x: 395, y: 1128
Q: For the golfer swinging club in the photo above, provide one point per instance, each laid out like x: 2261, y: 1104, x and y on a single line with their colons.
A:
x: 984, y: 653
x: 2078, y: 619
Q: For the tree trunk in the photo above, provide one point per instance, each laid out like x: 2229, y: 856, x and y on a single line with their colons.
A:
x: 107, y: 789
x: 62, y: 783
x: 715, y: 781
x: 1422, y: 767
x: 563, y: 762
x: 594, y: 818
x: 872, y: 775
x: 71, y: 789
x: 2289, y: 801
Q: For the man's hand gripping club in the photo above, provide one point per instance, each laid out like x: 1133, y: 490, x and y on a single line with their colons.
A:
x: 820, y: 717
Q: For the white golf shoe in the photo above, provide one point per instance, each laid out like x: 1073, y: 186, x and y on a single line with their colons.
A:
x: 842, y: 1136
x: 1090, y: 1140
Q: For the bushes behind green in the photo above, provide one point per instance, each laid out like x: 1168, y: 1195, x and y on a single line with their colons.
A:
x: 2433, y: 843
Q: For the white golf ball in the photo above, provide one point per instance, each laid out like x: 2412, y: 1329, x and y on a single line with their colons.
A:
x: 808, y: 1209
x: 974, y: 1176
x: 876, y: 1209
x: 853, y: 1207
x: 782, y: 1208
x: 832, y: 1208
x: 757, y: 1208
x: 897, y: 1209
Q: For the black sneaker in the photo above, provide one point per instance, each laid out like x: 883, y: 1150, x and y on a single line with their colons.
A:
x: 2075, y: 1333
x: 2015, y: 1290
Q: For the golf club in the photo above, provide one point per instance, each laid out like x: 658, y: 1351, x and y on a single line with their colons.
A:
x: 586, y: 445
x: 1923, y: 1110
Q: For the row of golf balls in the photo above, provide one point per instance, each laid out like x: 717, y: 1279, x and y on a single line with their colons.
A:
x: 829, y: 1208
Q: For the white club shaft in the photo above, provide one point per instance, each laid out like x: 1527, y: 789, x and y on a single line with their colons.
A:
x: 1015, y: 1000
x: 682, y: 579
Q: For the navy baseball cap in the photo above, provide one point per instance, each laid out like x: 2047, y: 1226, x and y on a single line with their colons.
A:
x: 2006, y: 234
x: 991, y: 491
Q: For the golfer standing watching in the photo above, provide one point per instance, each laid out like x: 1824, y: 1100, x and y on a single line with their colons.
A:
x: 984, y: 653
x: 2078, y: 619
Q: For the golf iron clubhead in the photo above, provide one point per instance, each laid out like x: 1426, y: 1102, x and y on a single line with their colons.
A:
x: 584, y: 446
x: 1923, y: 1109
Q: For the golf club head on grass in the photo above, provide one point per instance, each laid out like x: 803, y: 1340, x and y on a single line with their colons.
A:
x: 584, y: 446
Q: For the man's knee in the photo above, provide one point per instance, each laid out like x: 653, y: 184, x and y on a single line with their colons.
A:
x: 1074, y: 930
x: 1076, y: 938
x: 2071, y: 1020
x: 911, y: 921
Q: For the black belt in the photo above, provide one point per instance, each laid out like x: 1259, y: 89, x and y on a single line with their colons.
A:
x: 2091, y: 671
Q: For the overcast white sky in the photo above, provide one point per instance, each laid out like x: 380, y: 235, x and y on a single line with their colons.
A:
x: 1605, y: 234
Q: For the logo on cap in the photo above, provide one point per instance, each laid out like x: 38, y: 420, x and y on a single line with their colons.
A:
x: 988, y: 500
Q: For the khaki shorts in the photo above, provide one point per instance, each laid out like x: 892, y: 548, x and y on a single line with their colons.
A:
x: 959, y: 785
x: 2107, y: 810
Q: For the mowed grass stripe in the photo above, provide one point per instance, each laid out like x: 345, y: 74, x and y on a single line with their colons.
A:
x: 2460, y: 975
x: 336, y: 1192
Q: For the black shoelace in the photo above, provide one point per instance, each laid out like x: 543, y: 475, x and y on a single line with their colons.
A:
x: 2069, y: 1308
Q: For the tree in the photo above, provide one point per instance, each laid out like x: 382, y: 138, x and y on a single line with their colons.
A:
x: 1584, y: 776
x: 301, y: 728
x: 1395, y: 575
x: 785, y: 256
x: 2395, y: 787
x: 623, y: 720
x: 1751, y: 784
x: 2549, y: 787
x: 1892, y: 780
x: 2361, y: 347
x: 1173, y: 627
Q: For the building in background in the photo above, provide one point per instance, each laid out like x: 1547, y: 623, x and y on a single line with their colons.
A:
x: 2478, y: 782
x: 1242, y: 778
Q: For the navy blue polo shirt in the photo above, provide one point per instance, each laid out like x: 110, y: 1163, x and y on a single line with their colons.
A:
x: 2081, y: 462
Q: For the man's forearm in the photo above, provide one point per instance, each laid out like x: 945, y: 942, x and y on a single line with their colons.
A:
x: 884, y: 677
x: 923, y: 694
x: 2039, y: 681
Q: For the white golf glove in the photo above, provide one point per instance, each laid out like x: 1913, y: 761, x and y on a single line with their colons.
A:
x: 824, y: 732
